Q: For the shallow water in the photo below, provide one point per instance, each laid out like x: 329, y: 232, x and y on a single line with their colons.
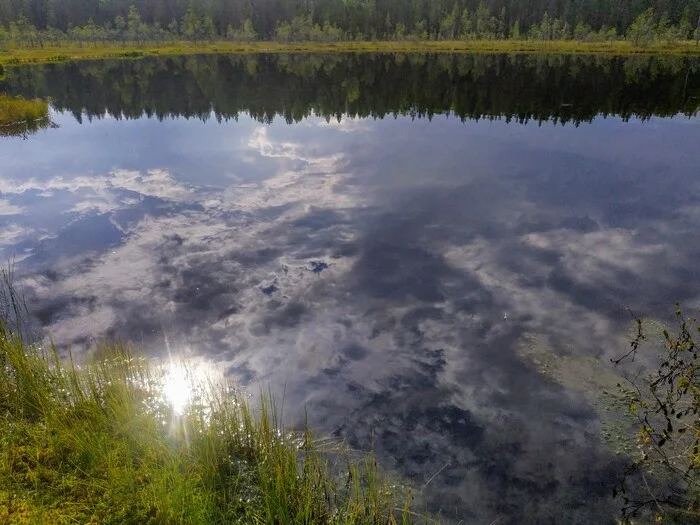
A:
x: 378, y: 238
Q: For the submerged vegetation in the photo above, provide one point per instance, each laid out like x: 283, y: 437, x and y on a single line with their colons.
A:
x: 100, y: 443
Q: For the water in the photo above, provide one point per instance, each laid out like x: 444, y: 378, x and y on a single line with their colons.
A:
x: 434, y: 254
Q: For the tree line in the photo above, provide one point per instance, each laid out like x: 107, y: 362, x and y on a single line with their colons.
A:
x: 521, y: 88
x: 38, y: 22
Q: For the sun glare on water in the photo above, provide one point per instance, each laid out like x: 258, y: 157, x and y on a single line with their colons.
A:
x: 185, y: 379
x: 177, y: 388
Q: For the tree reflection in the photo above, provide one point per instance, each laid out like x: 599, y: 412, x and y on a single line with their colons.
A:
x: 521, y: 88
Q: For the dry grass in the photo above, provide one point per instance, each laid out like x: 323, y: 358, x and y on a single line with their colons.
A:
x: 73, y: 51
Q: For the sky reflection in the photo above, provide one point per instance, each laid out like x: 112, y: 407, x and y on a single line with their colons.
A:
x: 365, y: 267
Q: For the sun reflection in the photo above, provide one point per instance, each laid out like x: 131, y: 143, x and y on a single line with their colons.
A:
x: 177, y: 388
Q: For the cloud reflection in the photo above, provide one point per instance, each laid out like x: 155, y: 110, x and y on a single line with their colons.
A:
x: 369, y: 272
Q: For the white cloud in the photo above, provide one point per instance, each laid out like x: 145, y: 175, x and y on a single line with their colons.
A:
x: 13, y: 233
x: 260, y: 142
x: 125, y: 274
x: 154, y: 183
x: 6, y: 208
x: 596, y: 255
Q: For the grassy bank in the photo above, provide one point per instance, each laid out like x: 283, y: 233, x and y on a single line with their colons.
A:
x: 73, y: 51
x: 101, y: 444
x: 19, y: 110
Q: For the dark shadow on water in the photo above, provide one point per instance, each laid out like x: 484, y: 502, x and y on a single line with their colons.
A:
x: 557, y: 88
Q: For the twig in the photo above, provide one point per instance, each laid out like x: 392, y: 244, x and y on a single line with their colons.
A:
x: 433, y: 476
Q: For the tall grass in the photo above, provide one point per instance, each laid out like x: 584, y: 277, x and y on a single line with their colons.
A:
x: 99, y: 444
x: 14, y: 110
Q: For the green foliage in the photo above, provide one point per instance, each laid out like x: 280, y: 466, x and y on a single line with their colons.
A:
x: 400, y: 33
x: 247, y: 33
x: 208, y: 29
x: 466, y: 24
x: 100, y: 444
x: 420, y: 32
x: 642, y: 30
x: 120, y: 26
x: 190, y: 25
x: 515, y: 31
x: 666, y: 405
x: 173, y: 28
x: 53, y: 21
x: 669, y: 33
x: 135, y: 27
x: 302, y: 29
x: 582, y: 32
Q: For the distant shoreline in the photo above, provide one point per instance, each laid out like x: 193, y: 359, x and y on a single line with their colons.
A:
x: 78, y: 51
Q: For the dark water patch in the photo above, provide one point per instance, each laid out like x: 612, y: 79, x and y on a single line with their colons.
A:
x: 281, y: 316
x: 51, y: 311
x: 319, y: 219
x: 318, y: 266
x: 518, y: 88
x: 269, y: 289
x: 355, y: 352
x: 394, y: 272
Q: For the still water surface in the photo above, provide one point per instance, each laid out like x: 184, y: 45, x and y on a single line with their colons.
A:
x: 432, y: 253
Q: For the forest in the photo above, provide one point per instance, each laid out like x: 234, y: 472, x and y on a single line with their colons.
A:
x: 520, y: 88
x: 39, y: 22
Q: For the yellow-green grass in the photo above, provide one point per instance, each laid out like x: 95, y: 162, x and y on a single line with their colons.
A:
x: 73, y: 51
x: 17, y: 110
x: 99, y: 444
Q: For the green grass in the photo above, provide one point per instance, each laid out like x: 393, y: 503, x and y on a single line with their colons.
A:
x: 19, y: 110
x: 99, y: 444
x: 73, y: 51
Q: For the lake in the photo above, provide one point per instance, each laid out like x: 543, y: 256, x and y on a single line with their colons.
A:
x: 434, y: 254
